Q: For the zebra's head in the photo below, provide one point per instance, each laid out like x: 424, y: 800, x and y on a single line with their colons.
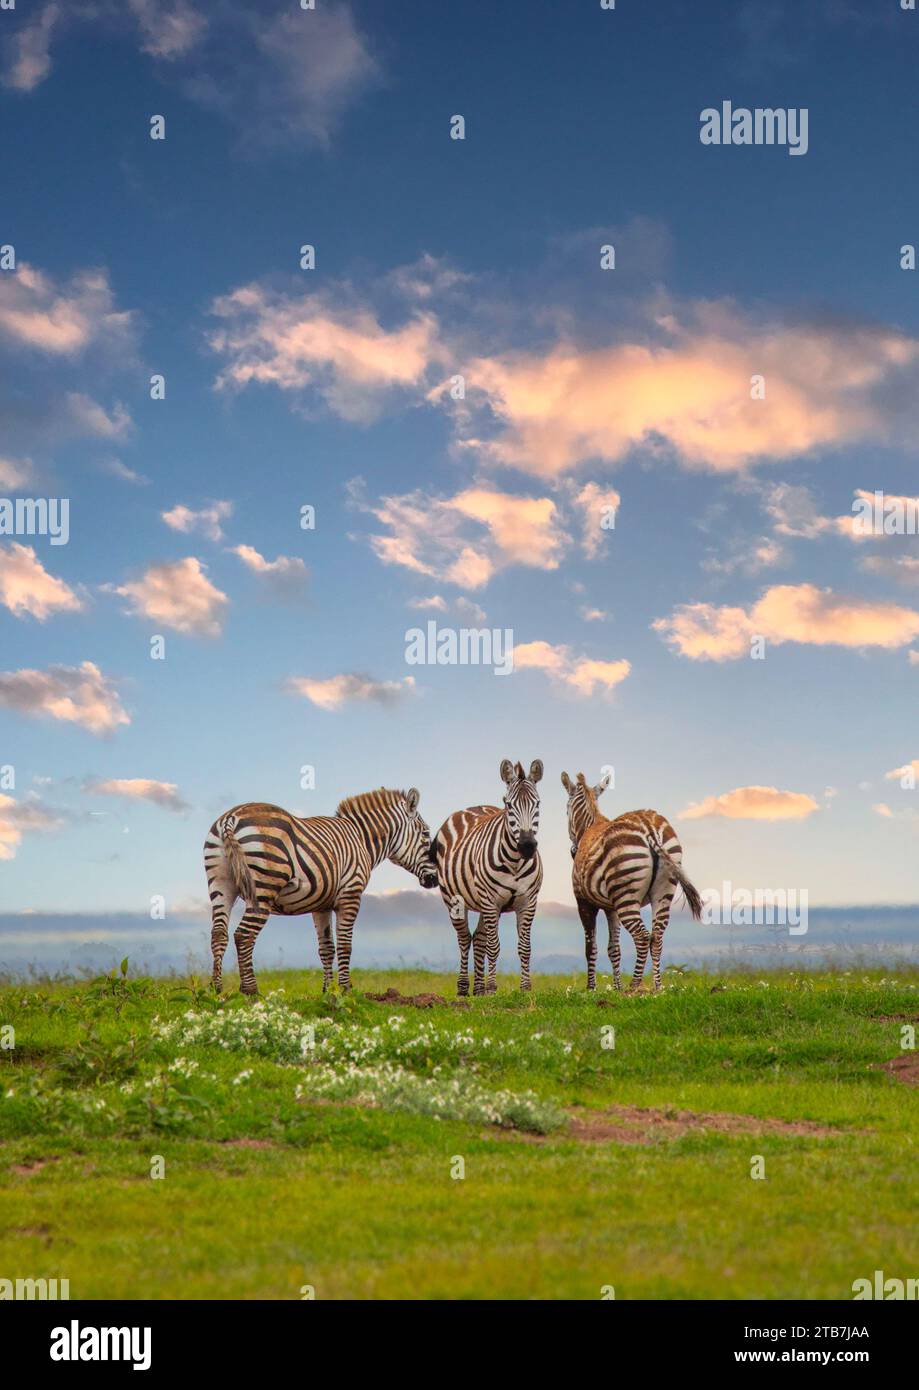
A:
x: 582, y: 805
x: 411, y: 843
x: 521, y: 804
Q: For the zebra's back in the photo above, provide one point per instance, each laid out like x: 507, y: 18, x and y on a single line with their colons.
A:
x: 295, y: 864
x: 616, y: 859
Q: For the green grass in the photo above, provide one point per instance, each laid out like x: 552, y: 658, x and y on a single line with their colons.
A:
x: 326, y: 1159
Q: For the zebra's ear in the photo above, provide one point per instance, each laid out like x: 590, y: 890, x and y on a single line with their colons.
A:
x: 535, y: 770
x: 507, y: 771
x: 602, y: 784
x: 413, y: 797
x: 567, y: 783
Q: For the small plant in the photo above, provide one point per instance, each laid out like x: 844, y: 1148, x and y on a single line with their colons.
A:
x: 91, y: 1062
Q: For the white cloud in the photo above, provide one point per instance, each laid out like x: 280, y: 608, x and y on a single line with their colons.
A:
x: 26, y: 587
x: 286, y: 575
x: 76, y: 694
x: 206, y: 520
x: 178, y: 595
x: 20, y: 817
x: 581, y: 674
x: 164, y: 794
x: 467, y: 538
x: 169, y: 31
x: 787, y: 613
x: 753, y: 803
x: 332, y: 692
x: 14, y: 472
x: 306, y: 340
x: 61, y: 320
x: 30, y: 51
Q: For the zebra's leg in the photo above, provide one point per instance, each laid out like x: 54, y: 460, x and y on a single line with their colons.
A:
x: 660, y: 917
x: 323, y: 924
x: 630, y: 917
x: 346, y: 910
x: 245, y: 936
x: 459, y: 916
x: 486, y: 925
x: 588, y: 915
x: 222, y: 900
x: 492, y: 951
x: 615, y: 953
x: 525, y: 915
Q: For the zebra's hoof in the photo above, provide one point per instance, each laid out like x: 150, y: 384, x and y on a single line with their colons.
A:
x: 462, y: 986
x: 491, y: 987
x: 249, y: 993
x: 525, y: 986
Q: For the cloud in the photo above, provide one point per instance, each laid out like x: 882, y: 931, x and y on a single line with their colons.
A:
x: 746, y: 556
x: 286, y: 79
x: 177, y: 595
x: 685, y: 389
x: 207, y: 520
x: 165, y: 794
x: 435, y: 603
x: 20, y: 817
x: 467, y: 538
x: 120, y: 470
x: 287, y: 576
x: 14, y: 472
x: 581, y: 674
x: 168, y: 31
x: 30, y: 56
x: 333, y: 691
x: 61, y: 321
x: 301, y: 341
x: 753, y: 803
x: 787, y: 613
x: 598, y: 507
x: 280, y: 77
x: 76, y: 694
x: 909, y: 772
x: 903, y: 569
x: 86, y: 417
x: 26, y: 587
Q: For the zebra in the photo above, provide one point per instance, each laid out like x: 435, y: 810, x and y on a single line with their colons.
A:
x: 487, y: 861
x: 620, y: 865
x: 286, y: 864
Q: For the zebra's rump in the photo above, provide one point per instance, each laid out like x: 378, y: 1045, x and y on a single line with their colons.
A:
x: 295, y: 864
x: 617, y: 860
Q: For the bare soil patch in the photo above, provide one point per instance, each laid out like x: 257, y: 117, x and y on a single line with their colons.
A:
x: 904, y: 1068
x: 415, y: 1001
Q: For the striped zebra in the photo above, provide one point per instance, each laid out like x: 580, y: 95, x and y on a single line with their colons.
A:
x: 289, y: 865
x: 487, y: 861
x: 620, y: 865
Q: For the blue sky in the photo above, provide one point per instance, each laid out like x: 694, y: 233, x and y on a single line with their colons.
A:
x: 327, y: 387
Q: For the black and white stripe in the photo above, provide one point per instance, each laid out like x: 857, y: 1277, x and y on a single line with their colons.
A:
x: 620, y: 865
x: 286, y: 864
x: 488, y: 862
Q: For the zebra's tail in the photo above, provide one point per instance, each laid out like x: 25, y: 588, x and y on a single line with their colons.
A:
x: 693, y: 896
x: 236, y: 861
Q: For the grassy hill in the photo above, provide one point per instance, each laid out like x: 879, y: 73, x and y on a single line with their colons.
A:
x: 550, y: 1145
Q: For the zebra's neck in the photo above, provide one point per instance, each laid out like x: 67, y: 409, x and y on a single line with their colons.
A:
x: 377, y: 831
x: 508, y: 852
x: 585, y: 817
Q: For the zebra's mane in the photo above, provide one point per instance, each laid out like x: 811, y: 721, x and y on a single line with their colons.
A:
x: 369, y: 801
x: 595, y: 812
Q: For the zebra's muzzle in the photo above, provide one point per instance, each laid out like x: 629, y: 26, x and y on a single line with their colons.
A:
x: 428, y: 878
x: 527, y: 847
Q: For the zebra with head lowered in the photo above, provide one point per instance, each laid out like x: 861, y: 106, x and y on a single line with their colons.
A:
x: 620, y: 865
x: 289, y: 865
x: 487, y: 862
